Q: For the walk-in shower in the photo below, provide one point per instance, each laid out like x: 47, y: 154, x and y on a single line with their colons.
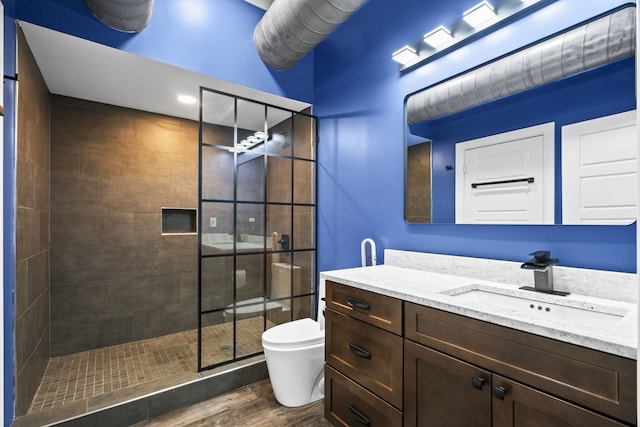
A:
x: 257, y: 237
x: 136, y: 269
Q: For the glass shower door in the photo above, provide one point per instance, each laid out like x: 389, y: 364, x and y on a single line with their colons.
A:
x: 257, y: 224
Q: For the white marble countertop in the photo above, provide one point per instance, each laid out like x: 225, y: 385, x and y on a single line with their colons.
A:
x: 430, y: 289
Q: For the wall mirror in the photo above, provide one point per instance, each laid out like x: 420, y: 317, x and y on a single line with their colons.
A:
x: 578, y: 101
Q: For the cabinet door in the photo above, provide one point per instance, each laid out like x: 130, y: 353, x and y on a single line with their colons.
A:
x: 517, y: 405
x: 442, y: 391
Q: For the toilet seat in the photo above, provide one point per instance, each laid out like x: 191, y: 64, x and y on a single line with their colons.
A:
x: 296, y: 334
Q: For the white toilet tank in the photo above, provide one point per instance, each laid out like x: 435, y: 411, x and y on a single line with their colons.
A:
x: 281, y: 281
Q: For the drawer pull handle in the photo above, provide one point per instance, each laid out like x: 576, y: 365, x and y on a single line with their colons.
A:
x: 478, y: 383
x: 360, y: 352
x: 354, y: 303
x: 358, y: 416
x: 499, y: 392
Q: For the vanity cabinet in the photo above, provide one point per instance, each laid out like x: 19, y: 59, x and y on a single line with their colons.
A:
x: 364, y: 357
x: 391, y: 362
x: 462, y: 371
x: 444, y: 391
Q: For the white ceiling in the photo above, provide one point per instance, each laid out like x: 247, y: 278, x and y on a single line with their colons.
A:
x: 83, y: 69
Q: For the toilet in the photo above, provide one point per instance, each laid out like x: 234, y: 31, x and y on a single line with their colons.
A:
x: 294, y: 352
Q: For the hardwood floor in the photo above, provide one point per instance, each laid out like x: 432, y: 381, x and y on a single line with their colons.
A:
x: 253, y: 405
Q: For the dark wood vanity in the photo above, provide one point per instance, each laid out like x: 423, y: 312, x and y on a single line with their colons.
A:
x: 391, y: 363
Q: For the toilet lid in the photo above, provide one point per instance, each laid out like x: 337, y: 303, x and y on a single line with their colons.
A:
x: 299, y: 333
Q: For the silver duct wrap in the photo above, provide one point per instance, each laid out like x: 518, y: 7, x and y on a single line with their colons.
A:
x: 130, y: 16
x: 292, y: 28
x: 596, y: 43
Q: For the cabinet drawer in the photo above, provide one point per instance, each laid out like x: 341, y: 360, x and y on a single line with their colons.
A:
x: 379, y: 310
x: 366, y: 354
x: 348, y: 404
x: 597, y: 380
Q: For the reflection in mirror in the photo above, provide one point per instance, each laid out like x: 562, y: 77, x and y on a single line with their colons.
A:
x: 601, y: 92
x: 418, y: 191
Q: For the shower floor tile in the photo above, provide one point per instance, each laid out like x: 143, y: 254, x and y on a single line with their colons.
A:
x: 92, y: 373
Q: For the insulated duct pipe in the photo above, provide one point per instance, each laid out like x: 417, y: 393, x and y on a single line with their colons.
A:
x: 292, y: 28
x: 130, y: 16
x: 598, y: 42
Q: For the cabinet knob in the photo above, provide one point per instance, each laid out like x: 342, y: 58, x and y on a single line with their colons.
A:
x: 478, y: 383
x: 359, y: 416
x: 499, y: 392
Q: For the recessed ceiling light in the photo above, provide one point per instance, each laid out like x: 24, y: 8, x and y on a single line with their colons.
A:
x: 187, y: 99
x: 479, y: 14
x: 438, y: 37
x: 405, y: 55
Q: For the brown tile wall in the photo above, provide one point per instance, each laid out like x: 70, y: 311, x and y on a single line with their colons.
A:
x: 32, y: 227
x: 114, y: 278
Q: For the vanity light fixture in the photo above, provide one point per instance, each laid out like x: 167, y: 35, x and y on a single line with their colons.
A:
x: 480, y: 14
x: 187, y: 99
x: 405, y: 55
x: 476, y: 22
x: 438, y: 37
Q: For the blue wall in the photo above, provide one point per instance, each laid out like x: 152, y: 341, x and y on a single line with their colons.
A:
x: 359, y: 95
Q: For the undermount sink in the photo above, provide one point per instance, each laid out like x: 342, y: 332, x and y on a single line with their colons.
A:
x: 526, y: 305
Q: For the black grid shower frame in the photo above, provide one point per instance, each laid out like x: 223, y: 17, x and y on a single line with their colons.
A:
x: 311, y: 250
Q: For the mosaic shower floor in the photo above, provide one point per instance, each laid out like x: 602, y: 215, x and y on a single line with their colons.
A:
x: 88, y: 374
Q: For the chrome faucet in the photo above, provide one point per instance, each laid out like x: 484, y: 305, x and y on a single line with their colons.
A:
x: 542, y: 266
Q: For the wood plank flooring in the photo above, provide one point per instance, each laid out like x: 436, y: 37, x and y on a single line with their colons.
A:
x: 254, y: 405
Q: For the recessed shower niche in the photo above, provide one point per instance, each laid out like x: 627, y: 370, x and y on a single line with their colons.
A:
x: 179, y: 221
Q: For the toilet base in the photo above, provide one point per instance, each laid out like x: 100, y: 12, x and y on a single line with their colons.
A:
x: 294, y: 352
x: 290, y: 392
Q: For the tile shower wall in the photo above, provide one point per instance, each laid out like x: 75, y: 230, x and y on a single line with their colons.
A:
x: 32, y: 218
x: 114, y: 278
